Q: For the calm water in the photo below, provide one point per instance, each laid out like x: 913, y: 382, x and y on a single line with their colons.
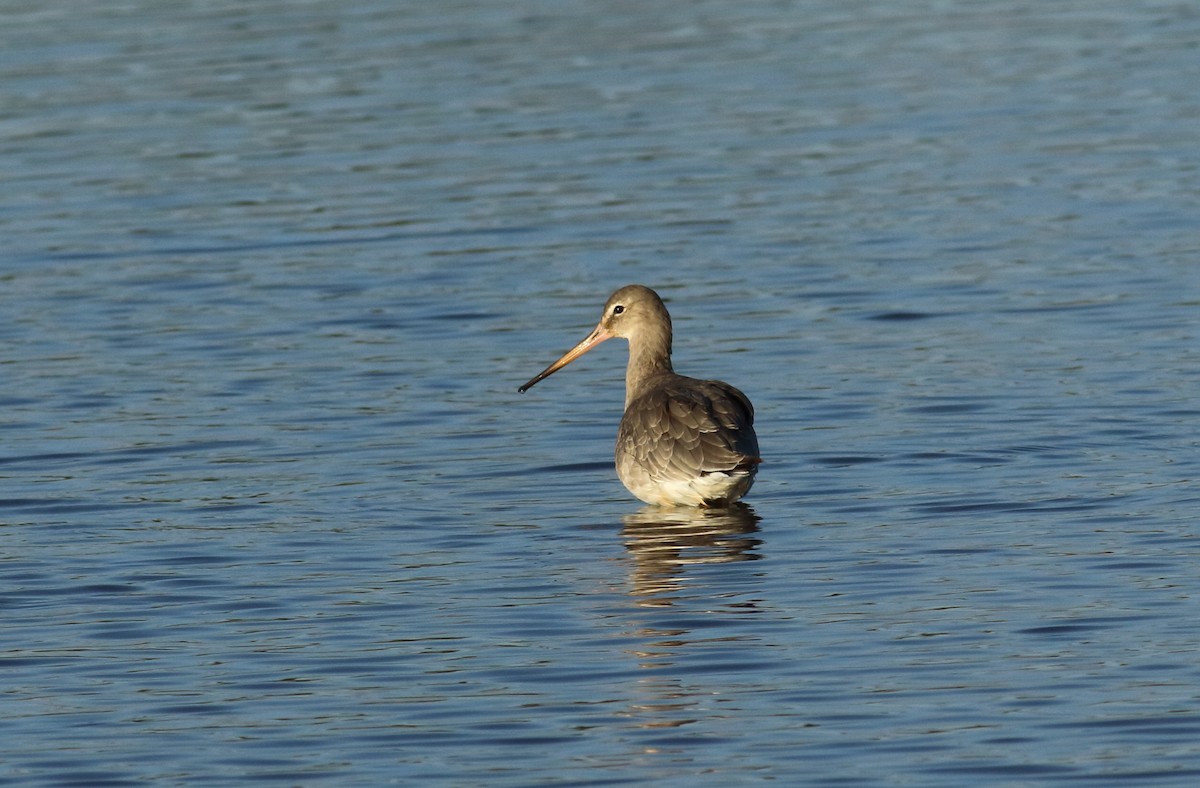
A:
x: 273, y: 511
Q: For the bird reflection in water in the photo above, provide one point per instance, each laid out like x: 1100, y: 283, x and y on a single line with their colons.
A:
x: 666, y: 543
x: 668, y: 547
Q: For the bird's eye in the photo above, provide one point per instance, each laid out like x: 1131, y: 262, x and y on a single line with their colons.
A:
x: 618, y: 309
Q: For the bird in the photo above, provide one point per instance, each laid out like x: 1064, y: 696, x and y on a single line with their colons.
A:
x: 682, y: 441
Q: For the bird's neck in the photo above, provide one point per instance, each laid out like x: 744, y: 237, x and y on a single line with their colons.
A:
x: 649, y: 356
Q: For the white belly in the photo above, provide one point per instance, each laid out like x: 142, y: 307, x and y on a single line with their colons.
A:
x: 701, y: 490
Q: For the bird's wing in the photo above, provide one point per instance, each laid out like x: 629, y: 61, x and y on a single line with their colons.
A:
x: 686, y: 427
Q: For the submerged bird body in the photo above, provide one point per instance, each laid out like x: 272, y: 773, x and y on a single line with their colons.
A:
x: 682, y: 441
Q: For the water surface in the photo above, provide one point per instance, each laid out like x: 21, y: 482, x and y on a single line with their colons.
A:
x: 272, y: 509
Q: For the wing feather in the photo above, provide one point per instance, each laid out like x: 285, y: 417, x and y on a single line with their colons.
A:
x: 683, y: 427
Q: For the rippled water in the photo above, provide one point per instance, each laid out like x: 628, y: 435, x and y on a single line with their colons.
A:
x: 272, y: 509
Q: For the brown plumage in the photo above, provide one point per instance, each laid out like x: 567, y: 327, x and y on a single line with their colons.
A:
x: 682, y: 441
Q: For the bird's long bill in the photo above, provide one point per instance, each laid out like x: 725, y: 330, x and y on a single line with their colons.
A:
x: 589, y: 342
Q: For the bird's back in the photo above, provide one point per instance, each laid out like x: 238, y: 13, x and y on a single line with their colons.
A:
x: 685, y: 441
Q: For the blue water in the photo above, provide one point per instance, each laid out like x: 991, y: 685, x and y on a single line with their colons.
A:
x: 271, y: 509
